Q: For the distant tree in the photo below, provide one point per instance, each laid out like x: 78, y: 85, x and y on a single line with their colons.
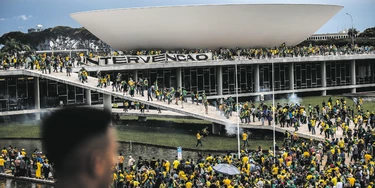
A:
x: 369, y: 32
x: 14, y: 47
x: 352, y: 32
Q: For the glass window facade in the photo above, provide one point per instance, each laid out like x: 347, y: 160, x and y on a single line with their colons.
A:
x: 228, y: 79
x: 307, y: 75
x: 338, y: 73
x: 265, y: 78
x: 246, y: 78
x: 281, y: 80
x: 15, y: 93
x: 199, y: 79
x: 365, y: 71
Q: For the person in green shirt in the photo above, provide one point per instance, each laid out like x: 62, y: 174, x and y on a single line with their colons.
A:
x: 184, y: 94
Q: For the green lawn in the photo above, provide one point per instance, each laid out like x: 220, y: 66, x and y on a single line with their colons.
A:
x: 184, y: 139
x: 19, y: 131
x: 319, y: 99
x: 146, y: 135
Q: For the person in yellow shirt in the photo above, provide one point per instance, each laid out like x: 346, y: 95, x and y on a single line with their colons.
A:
x: 199, y: 141
x: 208, y: 183
x: 167, y: 166
x: 226, y: 181
x: 275, y: 170
x: 121, y: 179
x: 114, y: 179
x: 313, y: 122
x: 4, y: 151
x: 163, y: 185
x: 38, y: 172
x: 341, y: 144
x: 189, y: 184
x: 136, y: 183
x: 120, y: 161
x: 334, y: 181
x: 306, y: 154
x: 209, y: 158
x: 175, y: 163
x: 368, y: 157
x: 351, y: 180
x: 129, y: 177
x: 2, y: 162
x: 245, y: 159
x: 244, y: 139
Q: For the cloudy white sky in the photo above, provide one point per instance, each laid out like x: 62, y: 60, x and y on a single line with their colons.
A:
x: 19, y: 15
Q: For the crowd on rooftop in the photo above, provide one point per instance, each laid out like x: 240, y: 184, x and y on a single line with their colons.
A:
x: 59, y: 61
x: 281, y: 51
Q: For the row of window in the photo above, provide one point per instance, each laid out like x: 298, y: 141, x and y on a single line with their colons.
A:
x: 328, y: 37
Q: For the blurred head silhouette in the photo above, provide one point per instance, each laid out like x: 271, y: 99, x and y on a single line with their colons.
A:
x: 81, y: 144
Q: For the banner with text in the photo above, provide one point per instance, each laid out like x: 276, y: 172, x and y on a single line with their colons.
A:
x: 162, y: 58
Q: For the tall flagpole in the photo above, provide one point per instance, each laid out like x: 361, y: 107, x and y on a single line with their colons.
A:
x: 273, y: 113
x: 238, y: 116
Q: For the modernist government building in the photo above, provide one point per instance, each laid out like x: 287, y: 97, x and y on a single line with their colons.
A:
x: 209, y: 27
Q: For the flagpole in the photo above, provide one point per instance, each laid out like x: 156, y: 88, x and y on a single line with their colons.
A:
x: 273, y: 106
x: 238, y: 116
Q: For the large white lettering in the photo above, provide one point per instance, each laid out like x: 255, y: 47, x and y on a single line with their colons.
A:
x: 162, y: 58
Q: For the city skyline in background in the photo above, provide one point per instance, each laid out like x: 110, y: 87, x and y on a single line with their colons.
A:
x: 18, y: 15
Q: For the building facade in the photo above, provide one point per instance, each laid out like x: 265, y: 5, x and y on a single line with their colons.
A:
x: 303, y: 76
x: 327, y: 36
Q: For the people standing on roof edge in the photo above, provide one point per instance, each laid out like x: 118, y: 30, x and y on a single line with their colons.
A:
x: 48, y: 64
x: 55, y: 64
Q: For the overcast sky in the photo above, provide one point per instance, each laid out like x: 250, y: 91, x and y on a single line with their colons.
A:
x: 19, y: 15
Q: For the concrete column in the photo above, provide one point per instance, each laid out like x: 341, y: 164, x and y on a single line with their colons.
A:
x: 219, y: 80
x: 216, y: 128
x: 107, y: 102
x: 291, y: 76
x: 88, y: 96
x: 352, y: 75
x: 256, y: 82
x: 324, y: 77
x: 179, y: 77
x: 135, y: 75
x: 37, y: 97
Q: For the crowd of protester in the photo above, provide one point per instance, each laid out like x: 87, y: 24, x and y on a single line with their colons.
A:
x: 43, y: 62
x: 21, y: 164
x: 339, y: 161
x: 281, y: 51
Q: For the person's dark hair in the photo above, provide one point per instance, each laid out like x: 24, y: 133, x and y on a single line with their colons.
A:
x: 65, y: 129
